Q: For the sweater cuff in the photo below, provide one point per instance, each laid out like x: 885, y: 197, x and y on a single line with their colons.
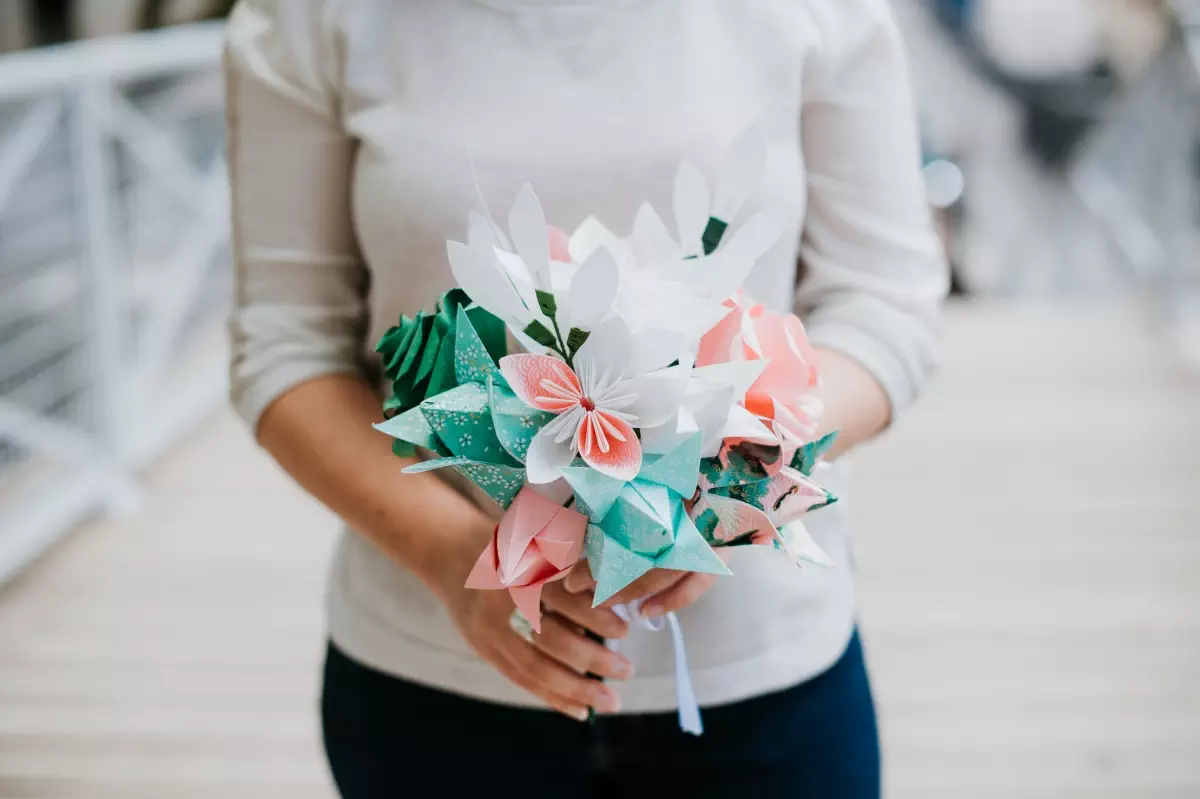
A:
x: 250, y: 399
x: 881, y: 362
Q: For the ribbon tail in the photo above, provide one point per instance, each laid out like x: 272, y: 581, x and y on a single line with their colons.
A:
x: 685, y: 695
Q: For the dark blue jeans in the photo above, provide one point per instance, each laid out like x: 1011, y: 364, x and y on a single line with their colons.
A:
x: 389, y: 738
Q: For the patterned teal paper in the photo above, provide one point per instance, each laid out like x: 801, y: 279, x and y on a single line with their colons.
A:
x: 807, y: 456
x: 642, y: 524
x: 501, y: 483
x: 515, y: 422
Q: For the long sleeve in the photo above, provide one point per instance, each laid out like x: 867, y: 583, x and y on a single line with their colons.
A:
x: 874, y: 272
x: 300, y: 284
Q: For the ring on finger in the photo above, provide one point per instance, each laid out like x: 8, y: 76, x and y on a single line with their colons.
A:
x: 521, y: 626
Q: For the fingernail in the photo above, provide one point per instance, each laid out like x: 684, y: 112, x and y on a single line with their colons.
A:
x: 580, y: 714
x: 607, y: 702
x: 624, y: 669
x: 651, y: 610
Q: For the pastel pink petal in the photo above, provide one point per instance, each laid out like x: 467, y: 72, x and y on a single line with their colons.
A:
x: 528, y: 600
x: 560, y: 244
x: 541, y: 381
x: 808, y: 353
x: 621, y: 460
x: 528, y: 514
x: 561, y: 542
x: 717, y: 344
x: 485, y: 574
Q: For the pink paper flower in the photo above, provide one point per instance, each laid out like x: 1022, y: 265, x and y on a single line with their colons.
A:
x: 536, y: 542
x: 782, y: 395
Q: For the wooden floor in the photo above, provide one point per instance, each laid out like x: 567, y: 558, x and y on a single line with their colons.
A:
x: 1029, y: 549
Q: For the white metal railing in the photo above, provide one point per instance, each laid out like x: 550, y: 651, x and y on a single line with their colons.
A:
x: 111, y: 288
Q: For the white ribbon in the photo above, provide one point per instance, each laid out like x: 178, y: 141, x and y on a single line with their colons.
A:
x: 685, y: 695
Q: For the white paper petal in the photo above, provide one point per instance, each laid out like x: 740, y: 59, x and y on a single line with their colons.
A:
x: 741, y: 172
x: 485, y: 282
x: 481, y: 236
x: 607, y: 350
x: 651, y: 241
x: 748, y: 243
x: 739, y: 374
x: 743, y: 424
x: 655, y: 348
x: 527, y: 226
x: 691, y: 203
x: 520, y: 278
x: 801, y: 542
x: 593, y: 290
x: 657, y: 398
x: 592, y: 235
x: 546, y: 459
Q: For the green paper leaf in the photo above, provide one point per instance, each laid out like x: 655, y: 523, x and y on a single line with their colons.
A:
x: 538, y: 332
x: 575, y: 339
x: 713, y: 232
x: 547, y: 303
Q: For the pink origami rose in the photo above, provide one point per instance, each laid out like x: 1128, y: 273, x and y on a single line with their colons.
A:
x: 782, y: 394
x: 536, y: 542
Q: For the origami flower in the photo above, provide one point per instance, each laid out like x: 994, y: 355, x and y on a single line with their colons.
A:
x: 549, y: 300
x: 418, y: 352
x: 752, y: 496
x: 642, y: 523
x: 782, y: 394
x: 536, y: 542
x: 597, y: 402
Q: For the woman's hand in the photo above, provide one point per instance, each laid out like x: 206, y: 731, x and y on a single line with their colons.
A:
x: 553, y: 664
x: 662, y: 591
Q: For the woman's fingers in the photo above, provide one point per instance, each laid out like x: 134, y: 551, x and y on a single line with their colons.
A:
x: 560, y: 687
x: 678, y: 596
x: 563, y: 642
x: 579, y: 579
x: 578, y: 608
x: 653, y: 582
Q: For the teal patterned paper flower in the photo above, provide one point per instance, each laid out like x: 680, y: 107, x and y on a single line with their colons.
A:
x: 477, y: 426
x: 641, y: 524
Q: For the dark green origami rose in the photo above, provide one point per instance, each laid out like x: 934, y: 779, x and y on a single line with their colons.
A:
x: 418, y: 352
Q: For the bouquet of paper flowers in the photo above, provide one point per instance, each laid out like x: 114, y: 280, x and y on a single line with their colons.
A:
x: 619, y: 397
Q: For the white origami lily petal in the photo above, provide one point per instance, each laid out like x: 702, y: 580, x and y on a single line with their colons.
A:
x: 530, y: 236
x: 655, y: 348
x: 726, y: 270
x: 606, y: 352
x: 485, y: 282
x: 738, y: 374
x: 593, y: 290
x: 651, y: 241
x: 591, y: 235
x: 656, y: 399
x: 481, y: 234
x: 546, y: 457
x: 743, y: 169
x: 743, y: 424
x: 691, y: 203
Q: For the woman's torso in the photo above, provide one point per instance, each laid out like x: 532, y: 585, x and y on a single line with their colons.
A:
x: 594, y: 104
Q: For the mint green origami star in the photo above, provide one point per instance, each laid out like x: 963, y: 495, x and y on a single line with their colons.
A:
x: 642, y: 524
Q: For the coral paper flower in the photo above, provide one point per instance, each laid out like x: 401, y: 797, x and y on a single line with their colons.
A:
x: 536, y: 542
x: 597, y: 403
x: 782, y: 394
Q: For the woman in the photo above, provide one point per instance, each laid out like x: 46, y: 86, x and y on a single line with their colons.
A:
x: 351, y: 124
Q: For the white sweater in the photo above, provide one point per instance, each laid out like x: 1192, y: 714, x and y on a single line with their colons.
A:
x: 351, y: 121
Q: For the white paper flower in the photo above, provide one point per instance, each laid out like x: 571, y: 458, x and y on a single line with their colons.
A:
x: 617, y: 383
